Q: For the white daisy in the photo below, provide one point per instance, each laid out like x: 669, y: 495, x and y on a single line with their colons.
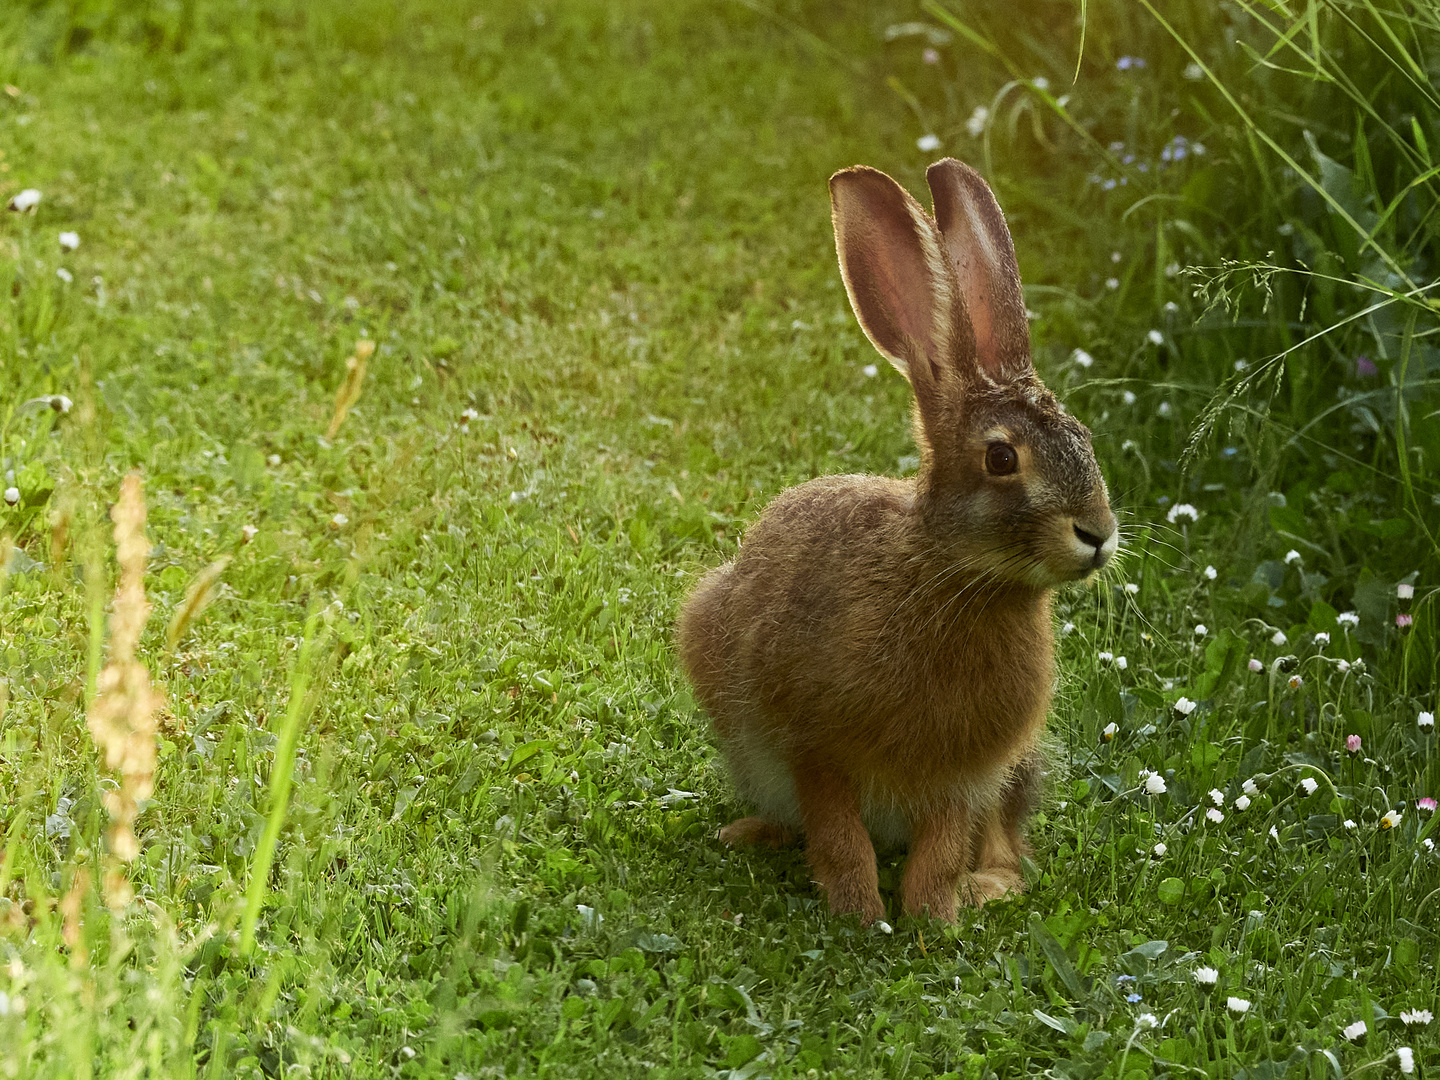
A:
x: 25, y: 200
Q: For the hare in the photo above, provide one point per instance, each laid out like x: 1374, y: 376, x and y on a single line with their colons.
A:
x: 878, y: 658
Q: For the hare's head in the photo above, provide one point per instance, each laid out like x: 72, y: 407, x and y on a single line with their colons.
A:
x: 1008, y: 481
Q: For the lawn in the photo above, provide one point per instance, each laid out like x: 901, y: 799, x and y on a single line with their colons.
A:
x: 450, y: 341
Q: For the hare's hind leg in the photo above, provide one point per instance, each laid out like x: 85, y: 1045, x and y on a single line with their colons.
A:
x: 757, y: 832
x: 996, y: 863
x: 999, y: 840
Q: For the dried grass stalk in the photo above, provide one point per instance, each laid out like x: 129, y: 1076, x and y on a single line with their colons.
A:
x: 197, y: 598
x: 349, y: 391
x: 61, y: 519
x: 122, y: 715
x: 71, y: 907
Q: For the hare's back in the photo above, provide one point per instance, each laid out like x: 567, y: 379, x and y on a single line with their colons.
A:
x: 797, y: 565
x: 817, y: 551
x: 816, y: 556
x: 844, y: 516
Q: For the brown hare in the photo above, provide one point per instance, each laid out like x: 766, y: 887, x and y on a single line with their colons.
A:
x: 878, y: 658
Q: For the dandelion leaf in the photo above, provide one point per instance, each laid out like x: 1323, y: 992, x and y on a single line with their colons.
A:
x: 1055, y: 955
x: 1223, y: 656
x: 1374, y: 601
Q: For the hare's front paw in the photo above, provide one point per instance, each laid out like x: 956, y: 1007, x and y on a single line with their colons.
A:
x: 991, y: 884
x: 756, y: 832
x: 854, y: 898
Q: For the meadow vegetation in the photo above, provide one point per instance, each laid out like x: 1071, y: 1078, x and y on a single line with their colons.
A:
x: 447, y: 342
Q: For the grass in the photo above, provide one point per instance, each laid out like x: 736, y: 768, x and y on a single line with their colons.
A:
x: 431, y: 798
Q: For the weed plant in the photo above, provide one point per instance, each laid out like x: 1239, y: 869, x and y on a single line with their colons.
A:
x: 436, y: 348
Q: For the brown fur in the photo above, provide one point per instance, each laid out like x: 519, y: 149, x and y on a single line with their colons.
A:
x: 878, y: 658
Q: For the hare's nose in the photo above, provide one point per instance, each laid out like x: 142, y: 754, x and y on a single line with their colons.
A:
x: 1101, y: 541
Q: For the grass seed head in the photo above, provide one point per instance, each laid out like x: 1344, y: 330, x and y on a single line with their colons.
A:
x: 122, y: 715
x: 349, y: 391
x: 197, y: 598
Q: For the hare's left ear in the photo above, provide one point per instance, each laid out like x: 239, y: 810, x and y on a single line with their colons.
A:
x: 978, y: 245
x: 900, y: 284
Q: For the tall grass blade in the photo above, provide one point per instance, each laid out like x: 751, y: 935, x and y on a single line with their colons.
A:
x: 281, y: 779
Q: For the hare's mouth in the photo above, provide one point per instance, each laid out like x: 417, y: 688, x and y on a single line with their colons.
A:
x: 1079, y: 548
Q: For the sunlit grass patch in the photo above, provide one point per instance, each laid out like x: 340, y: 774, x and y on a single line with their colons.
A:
x: 589, y: 245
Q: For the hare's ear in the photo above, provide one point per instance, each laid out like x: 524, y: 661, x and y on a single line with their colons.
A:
x: 900, y: 285
x: 978, y: 246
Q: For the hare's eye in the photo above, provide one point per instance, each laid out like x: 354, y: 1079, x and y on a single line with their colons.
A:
x: 1001, y: 459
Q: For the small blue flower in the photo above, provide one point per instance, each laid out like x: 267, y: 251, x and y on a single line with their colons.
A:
x: 1125, y: 63
x: 1132, y: 998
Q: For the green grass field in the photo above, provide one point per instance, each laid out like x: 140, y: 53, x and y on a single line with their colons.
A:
x: 591, y: 244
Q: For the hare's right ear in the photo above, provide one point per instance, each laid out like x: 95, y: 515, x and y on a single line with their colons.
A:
x: 900, y: 281
x: 977, y: 244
